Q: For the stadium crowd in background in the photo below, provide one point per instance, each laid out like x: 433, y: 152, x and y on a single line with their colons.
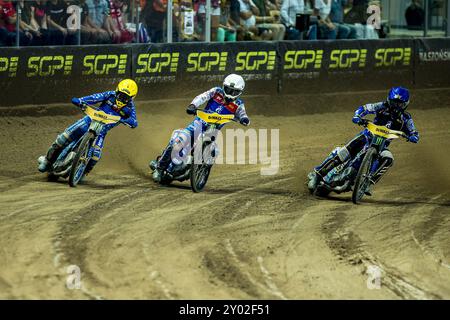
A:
x: 51, y: 22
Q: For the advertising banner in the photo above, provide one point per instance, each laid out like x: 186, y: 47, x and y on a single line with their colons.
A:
x: 324, y: 66
x: 38, y: 75
x: 55, y: 74
x: 433, y: 62
x: 181, y: 70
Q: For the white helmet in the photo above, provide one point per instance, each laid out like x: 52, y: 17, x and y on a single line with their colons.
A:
x: 233, y: 86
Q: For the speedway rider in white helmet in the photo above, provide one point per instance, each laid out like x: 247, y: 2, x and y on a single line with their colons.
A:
x: 223, y: 100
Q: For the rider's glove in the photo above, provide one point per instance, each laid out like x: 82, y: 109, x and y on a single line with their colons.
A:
x: 356, y: 120
x: 244, y: 121
x: 191, y: 109
x: 359, y: 121
x: 413, y: 139
x: 83, y: 106
x: 79, y: 103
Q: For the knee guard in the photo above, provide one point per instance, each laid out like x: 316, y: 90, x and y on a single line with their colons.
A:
x: 97, y: 153
x: 175, y: 151
x: 180, y: 144
x: 387, y: 161
x: 387, y: 156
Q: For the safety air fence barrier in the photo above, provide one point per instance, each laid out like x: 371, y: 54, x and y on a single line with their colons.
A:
x: 40, y: 75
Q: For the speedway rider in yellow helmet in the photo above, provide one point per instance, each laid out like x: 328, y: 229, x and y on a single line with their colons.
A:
x: 119, y: 102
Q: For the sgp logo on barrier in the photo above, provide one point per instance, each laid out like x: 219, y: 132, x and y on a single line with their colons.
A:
x: 207, y: 61
x: 157, y: 62
x: 45, y: 66
x: 255, y: 60
x: 388, y: 57
x: 348, y: 58
x: 9, y: 65
x: 303, y: 59
x: 101, y: 64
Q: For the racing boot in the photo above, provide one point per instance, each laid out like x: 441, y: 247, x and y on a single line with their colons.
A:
x: 313, y: 179
x: 153, y: 165
x: 44, y: 164
x: 156, y: 176
x: 52, y: 153
x: 368, y: 191
x: 162, y: 164
x: 159, y: 173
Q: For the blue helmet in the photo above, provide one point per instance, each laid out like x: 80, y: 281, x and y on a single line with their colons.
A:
x: 398, y: 99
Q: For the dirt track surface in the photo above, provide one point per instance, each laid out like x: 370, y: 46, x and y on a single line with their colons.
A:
x: 246, y: 236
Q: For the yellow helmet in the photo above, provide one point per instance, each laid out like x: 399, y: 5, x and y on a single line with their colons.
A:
x: 126, y: 90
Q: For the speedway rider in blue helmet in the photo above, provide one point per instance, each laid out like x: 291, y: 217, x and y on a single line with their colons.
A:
x: 390, y: 113
x: 119, y: 102
x: 223, y: 100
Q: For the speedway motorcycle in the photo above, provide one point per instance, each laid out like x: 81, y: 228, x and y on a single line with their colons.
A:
x: 355, y: 174
x: 198, y: 164
x: 73, y: 160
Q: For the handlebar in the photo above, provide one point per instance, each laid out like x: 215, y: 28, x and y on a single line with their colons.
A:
x: 365, y: 123
x: 200, y: 109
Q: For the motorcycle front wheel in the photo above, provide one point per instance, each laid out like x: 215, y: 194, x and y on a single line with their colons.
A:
x: 81, y: 159
x: 200, y: 172
x: 363, y: 177
x: 199, y: 176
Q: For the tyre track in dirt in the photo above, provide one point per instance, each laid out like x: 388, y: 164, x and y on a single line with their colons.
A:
x: 245, y: 237
x: 349, y: 247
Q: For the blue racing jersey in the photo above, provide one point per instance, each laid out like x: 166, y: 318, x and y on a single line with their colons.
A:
x: 384, y: 117
x: 107, y: 102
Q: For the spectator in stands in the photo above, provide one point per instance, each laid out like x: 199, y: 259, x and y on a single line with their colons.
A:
x: 371, y: 31
x: 28, y: 23
x: 39, y: 20
x: 266, y: 20
x: 289, y: 10
x: 154, y: 14
x: 357, y: 13
x: 90, y: 33
x: 185, y: 21
x: 276, y: 4
x: 415, y: 15
x: 3, y: 31
x: 248, y: 13
x: 326, y: 29
x: 116, y: 22
x: 344, y: 30
x: 235, y: 12
x: 273, y: 5
x: 8, y: 19
x: 215, y: 17
x: 227, y: 30
x: 98, y: 14
x: 57, y: 22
